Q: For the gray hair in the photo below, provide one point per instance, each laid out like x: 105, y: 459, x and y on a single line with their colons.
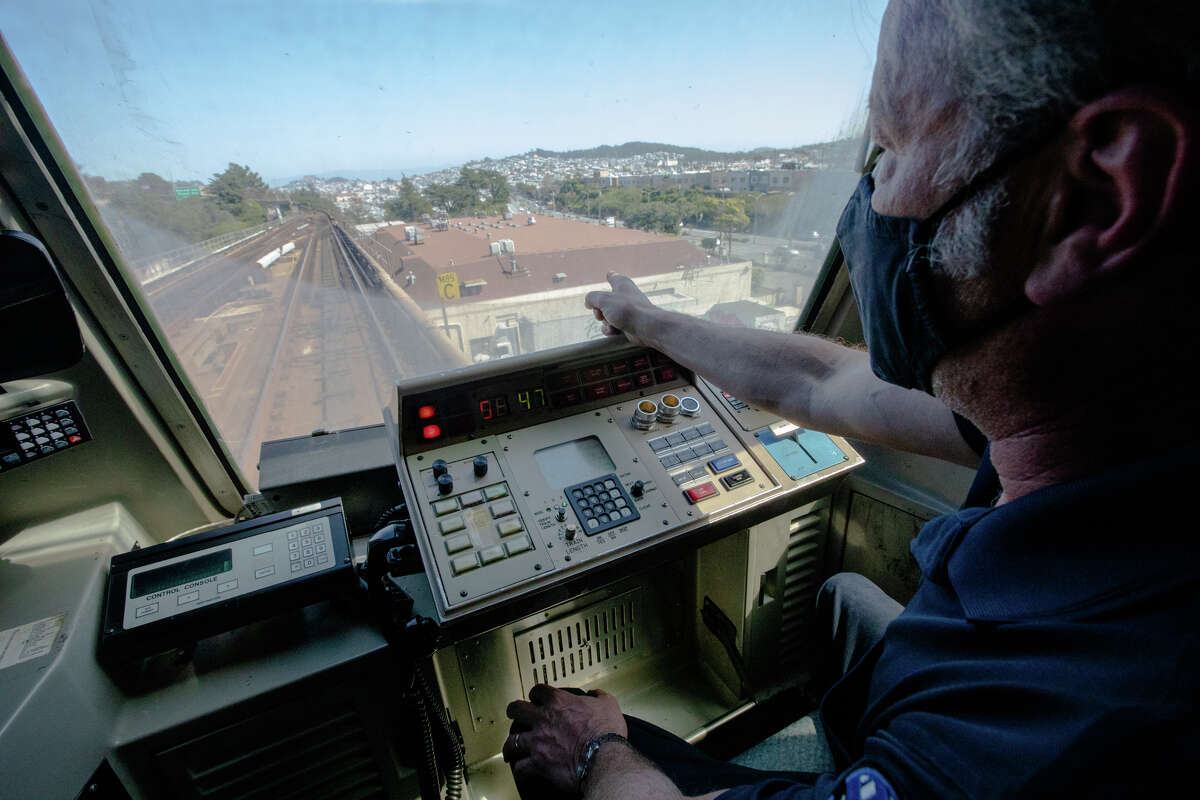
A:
x: 1022, y: 67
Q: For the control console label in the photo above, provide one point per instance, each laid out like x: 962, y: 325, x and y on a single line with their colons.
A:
x: 29, y: 641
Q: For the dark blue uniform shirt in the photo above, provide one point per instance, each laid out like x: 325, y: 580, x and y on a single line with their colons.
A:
x: 1051, y: 649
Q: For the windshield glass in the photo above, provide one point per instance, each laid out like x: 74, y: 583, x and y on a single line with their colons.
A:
x: 318, y: 198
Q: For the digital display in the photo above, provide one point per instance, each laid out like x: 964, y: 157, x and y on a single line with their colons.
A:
x: 573, y: 462
x: 442, y: 415
x: 523, y: 401
x: 194, y: 569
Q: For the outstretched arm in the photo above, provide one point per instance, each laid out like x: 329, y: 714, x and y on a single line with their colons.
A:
x: 804, y: 378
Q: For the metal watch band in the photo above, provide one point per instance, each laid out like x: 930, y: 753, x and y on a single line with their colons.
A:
x: 590, y: 750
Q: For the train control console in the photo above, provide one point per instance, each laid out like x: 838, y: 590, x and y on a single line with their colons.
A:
x: 527, y: 472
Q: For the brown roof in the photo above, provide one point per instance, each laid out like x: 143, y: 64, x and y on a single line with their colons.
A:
x: 584, y: 253
x: 549, y: 234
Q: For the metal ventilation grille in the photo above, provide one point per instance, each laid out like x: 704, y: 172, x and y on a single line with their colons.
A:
x: 802, y: 580
x: 290, y: 752
x: 583, y: 645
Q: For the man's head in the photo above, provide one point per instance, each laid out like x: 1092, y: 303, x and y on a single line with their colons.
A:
x: 1090, y: 108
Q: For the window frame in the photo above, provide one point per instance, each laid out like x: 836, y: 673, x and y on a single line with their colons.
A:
x: 49, y: 194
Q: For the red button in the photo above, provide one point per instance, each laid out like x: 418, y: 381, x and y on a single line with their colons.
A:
x: 74, y: 439
x: 700, y: 492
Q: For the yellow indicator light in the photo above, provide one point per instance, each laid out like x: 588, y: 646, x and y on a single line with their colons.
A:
x: 647, y: 407
x: 670, y: 400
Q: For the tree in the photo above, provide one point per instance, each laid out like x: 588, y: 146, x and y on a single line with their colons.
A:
x: 149, y: 182
x: 312, y: 200
x: 235, y: 189
x: 451, y: 198
x: 490, y: 187
x: 726, y: 214
x: 410, y: 205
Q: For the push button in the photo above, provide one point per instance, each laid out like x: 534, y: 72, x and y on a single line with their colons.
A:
x: 520, y: 545
x: 501, y: 509
x: 443, y: 507
x: 701, y: 492
x: 464, y: 564
x: 491, y: 554
x: 509, y: 526
x: 724, y: 462
x: 456, y: 544
x: 736, y: 479
x: 495, y: 491
x: 451, y: 524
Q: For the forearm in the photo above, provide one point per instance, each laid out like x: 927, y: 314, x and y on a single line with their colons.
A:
x: 808, y: 380
x: 779, y: 372
x: 619, y: 773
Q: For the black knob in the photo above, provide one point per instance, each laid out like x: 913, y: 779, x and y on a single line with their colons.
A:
x: 480, y: 466
x: 637, y: 488
x: 439, y: 468
x: 445, y: 484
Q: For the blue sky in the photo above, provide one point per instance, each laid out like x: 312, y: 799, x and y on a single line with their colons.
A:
x: 312, y: 86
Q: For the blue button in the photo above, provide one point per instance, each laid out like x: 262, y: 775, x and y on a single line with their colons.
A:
x: 723, y: 463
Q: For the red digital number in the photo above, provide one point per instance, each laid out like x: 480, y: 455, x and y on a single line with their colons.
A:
x: 485, y: 409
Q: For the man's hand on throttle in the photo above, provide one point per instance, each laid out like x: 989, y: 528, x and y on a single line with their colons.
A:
x: 622, y: 309
x: 549, y: 733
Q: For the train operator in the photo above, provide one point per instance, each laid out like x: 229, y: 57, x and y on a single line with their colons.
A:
x: 1023, y: 260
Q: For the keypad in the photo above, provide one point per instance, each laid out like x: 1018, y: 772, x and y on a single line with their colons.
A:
x: 40, y: 433
x: 683, y: 447
x: 307, y: 547
x: 472, y: 545
x: 601, y: 503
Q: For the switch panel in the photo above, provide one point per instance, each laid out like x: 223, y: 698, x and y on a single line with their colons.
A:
x: 39, y: 434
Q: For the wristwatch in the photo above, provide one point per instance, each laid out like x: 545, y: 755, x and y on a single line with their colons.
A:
x: 589, y: 753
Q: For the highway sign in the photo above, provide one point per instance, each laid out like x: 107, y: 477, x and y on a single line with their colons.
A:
x: 448, y: 285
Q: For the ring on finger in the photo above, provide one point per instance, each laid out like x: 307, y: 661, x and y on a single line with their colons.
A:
x: 517, y: 742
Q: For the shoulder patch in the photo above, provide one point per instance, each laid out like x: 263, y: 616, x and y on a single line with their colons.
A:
x: 864, y: 783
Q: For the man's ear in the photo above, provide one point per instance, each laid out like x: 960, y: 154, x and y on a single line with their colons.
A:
x: 1127, y: 159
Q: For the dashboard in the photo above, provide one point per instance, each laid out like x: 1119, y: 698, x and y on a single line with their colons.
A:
x: 530, y: 471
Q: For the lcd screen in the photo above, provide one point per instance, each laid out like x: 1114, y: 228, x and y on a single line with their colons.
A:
x: 204, y: 566
x: 573, y: 462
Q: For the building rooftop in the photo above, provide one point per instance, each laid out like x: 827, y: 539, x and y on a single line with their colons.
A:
x: 552, y: 254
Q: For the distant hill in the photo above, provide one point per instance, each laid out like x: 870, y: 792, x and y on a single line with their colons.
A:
x: 631, y: 149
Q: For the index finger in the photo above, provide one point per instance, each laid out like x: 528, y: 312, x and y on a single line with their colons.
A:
x: 524, y: 712
x: 593, y: 299
x: 617, y: 280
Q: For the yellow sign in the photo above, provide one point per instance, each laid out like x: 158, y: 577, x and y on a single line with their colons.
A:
x: 448, y: 285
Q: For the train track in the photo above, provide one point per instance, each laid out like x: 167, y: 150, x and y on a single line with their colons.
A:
x: 287, y: 351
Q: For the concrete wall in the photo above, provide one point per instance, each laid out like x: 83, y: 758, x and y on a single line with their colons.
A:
x: 558, y: 317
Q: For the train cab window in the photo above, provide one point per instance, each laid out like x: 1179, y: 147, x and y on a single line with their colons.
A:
x: 359, y: 240
x: 313, y: 201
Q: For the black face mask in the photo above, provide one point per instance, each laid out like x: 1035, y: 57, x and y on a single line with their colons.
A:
x: 888, y: 262
x: 888, y: 259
